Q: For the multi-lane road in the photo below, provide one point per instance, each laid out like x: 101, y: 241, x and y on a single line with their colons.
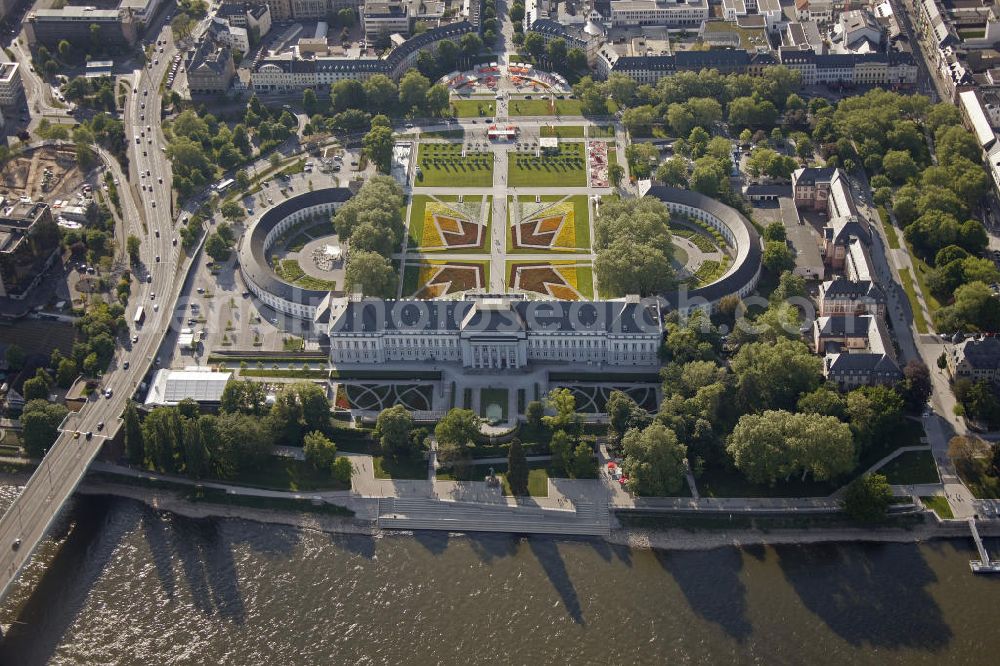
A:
x: 28, y: 519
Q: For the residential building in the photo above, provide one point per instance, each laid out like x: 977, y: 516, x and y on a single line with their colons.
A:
x: 857, y: 351
x: 770, y: 10
x: 661, y: 13
x: 221, y: 32
x: 280, y: 10
x: 142, y: 11
x: 823, y: 189
x: 842, y: 296
x: 74, y: 23
x: 310, y: 9
x: 976, y: 359
x: 381, y: 19
x: 857, y: 31
x: 495, y: 332
x: 256, y: 18
x: 11, y: 87
x: 29, y: 245
x: 210, y: 69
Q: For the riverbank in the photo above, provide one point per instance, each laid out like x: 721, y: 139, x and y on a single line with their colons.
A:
x: 634, y: 538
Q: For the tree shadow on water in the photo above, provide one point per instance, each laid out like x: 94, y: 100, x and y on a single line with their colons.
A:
x: 490, y: 546
x: 710, y: 581
x: 206, y: 557
x: 868, y: 594
x: 359, y: 544
x: 555, y: 568
x: 156, y: 531
x: 59, y: 596
x: 435, y: 541
x: 609, y: 551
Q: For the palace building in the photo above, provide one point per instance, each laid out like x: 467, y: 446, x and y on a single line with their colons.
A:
x: 498, y: 332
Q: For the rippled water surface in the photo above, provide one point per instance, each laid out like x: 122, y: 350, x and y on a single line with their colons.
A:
x: 123, y: 584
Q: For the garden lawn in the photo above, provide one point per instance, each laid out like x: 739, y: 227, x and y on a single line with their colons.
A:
x: 911, y: 295
x: 404, y: 467
x: 563, y: 168
x: 280, y: 473
x: 543, y: 107
x: 415, y: 229
x: 563, y: 131
x: 938, y: 505
x: 442, y: 165
x: 581, y: 222
x: 910, y: 468
x: 922, y: 271
x: 473, y: 108
x: 538, y: 476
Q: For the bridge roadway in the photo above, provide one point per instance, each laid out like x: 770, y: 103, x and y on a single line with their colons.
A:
x: 38, y: 504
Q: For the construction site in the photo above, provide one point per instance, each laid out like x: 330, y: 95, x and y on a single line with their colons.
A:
x: 42, y: 174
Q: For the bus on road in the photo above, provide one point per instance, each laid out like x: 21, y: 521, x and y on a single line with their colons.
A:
x: 140, y: 316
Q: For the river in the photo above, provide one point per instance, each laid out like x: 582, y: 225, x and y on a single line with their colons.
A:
x: 121, y: 583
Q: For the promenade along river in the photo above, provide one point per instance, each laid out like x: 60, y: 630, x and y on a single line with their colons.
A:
x: 123, y: 584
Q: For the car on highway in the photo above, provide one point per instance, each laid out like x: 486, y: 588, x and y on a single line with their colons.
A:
x: 157, y: 232
x: 135, y: 339
x: 153, y: 203
x: 157, y: 258
x: 173, y: 241
x: 90, y: 434
x: 16, y: 544
x: 125, y: 364
x: 156, y: 307
x: 108, y: 393
x: 152, y: 295
x: 100, y: 425
x: 76, y: 435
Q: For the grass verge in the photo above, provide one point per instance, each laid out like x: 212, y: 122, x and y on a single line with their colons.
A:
x: 911, y: 295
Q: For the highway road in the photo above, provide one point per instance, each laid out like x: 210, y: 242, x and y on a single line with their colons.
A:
x: 26, y: 522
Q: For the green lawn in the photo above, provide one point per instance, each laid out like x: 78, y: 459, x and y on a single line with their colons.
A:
x: 581, y: 221
x: 922, y: 271
x: 472, y: 108
x: 538, y: 476
x: 412, y: 467
x: 442, y: 165
x: 563, y: 131
x: 890, y: 231
x: 585, y: 281
x: 938, y: 505
x: 543, y: 107
x: 600, y: 131
x: 565, y: 167
x: 911, y: 467
x: 911, y: 295
x: 280, y: 473
x: 489, y: 396
x: 290, y: 271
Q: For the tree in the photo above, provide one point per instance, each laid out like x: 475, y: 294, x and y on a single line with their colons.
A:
x: 194, y: 448
x: 242, y: 179
x: 134, y: 446
x: 616, y: 172
x: 132, y: 244
x: 437, y: 100
x: 775, y: 445
x: 370, y: 274
x: 392, y: 429
x: 413, y: 89
x: 517, y: 468
x: 774, y: 376
x: 455, y: 432
x: 377, y: 145
x: 673, y: 172
x: 975, y: 308
x: 533, y: 413
x: 216, y: 247
x: 654, y: 461
x: 563, y: 404
x: 343, y: 470
x: 380, y: 92
x: 309, y: 101
x: 826, y: 401
x: 244, y: 397
x: 320, y: 452
x: 66, y: 372
x: 242, y: 444
x: 15, y: 356
x: 778, y: 257
x: 561, y: 446
x: 534, y: 44
x: 40, y: 421
x: 867, y: 498
x: 874, y: 413
x: 899, y: 166
x: 232, y: 211
x: 916, y: 387
x: 299, y: 408
x: 37, y: 388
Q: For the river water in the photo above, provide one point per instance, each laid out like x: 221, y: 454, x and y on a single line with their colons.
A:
x: 124, y: 584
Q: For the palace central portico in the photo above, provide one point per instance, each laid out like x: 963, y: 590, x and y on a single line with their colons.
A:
x: 493, y: 332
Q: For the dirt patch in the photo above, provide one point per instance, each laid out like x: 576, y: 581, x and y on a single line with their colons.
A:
x: 454, y: 278
x: 42, y: 174
x: 532, y: 277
